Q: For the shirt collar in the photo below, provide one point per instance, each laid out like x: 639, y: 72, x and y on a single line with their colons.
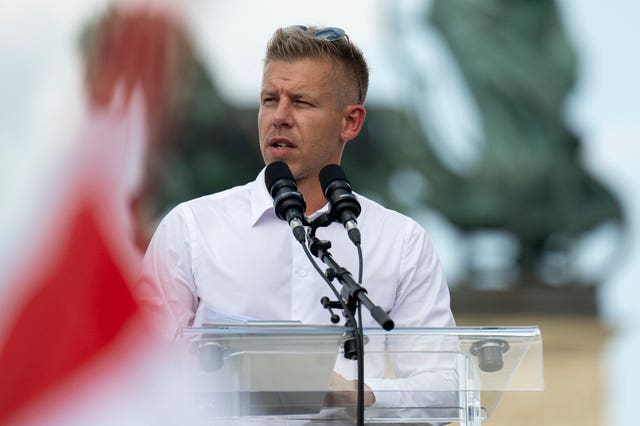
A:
x: 261, y: 201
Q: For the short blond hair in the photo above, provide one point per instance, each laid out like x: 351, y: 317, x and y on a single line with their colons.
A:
x: 298, y: 42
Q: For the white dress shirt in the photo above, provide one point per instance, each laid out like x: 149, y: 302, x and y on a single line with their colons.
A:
x: 227, y: 255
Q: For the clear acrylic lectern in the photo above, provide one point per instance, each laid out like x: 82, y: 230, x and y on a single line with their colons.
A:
x: 272, y: 373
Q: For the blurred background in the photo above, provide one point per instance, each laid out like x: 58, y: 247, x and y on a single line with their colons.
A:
x: 507, y: 128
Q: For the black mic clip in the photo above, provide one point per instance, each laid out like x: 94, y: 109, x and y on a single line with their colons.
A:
x: 317, y: 246
x: 322, y: 221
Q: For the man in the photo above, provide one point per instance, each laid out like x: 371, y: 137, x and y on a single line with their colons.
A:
x: 227, y: 256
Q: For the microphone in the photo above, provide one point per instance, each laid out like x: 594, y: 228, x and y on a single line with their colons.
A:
x: 288, y: 202
x: 344, y: 205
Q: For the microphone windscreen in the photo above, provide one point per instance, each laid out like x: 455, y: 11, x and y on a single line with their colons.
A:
x: 330, y: 173
x: 275, y: 171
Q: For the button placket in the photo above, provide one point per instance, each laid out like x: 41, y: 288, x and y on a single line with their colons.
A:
x: 302, y: 277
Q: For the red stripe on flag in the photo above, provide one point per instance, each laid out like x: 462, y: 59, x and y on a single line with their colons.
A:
x: 80, y: 304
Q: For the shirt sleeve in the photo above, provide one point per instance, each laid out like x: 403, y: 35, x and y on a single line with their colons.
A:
x: 165, y: 289
x: 422, y: 300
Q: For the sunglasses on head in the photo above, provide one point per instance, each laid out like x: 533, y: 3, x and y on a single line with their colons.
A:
x: 326, y: 33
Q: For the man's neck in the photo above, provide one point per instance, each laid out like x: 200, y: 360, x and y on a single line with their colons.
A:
x: 312, y: 193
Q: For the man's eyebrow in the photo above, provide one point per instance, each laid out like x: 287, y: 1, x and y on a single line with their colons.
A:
x: 304, y: 94
x: 264, y: 92
x: 294, y: 95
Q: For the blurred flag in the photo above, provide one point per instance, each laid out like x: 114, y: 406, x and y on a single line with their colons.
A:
x: 74, y: 346
x: 77, y: 292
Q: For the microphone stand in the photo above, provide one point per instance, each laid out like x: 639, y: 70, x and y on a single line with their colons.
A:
x: 320, y: 250
x: 356, y: 297
x: 350, y: 319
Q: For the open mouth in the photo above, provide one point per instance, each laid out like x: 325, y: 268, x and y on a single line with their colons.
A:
x: 281, y: 144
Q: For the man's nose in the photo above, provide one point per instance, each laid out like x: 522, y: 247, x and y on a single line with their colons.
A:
x: 282, y: 115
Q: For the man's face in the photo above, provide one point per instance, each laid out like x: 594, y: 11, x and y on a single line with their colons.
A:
x: 300, y: 121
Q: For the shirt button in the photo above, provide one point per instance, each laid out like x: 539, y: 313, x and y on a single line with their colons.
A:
x: 302, y: 273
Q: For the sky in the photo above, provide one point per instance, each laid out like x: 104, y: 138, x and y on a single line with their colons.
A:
x: 41, y: 105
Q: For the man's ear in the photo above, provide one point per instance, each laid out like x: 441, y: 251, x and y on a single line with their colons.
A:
x: 352, y: 122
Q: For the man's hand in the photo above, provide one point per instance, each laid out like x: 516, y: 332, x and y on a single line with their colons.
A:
x: 344, y: 393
